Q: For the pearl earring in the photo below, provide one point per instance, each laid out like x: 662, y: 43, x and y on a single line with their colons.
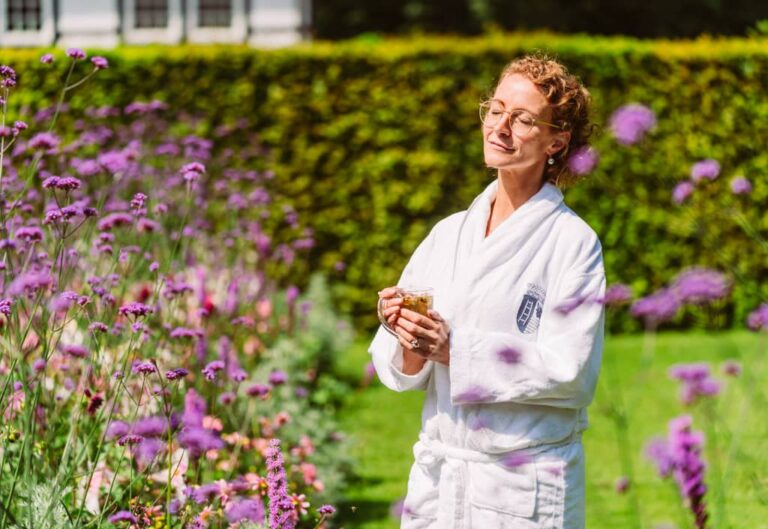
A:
x: 551, y: 161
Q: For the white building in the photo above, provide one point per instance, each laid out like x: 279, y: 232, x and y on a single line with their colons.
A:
x: 107, y: 23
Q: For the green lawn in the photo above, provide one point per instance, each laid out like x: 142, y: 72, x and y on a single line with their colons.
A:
x: 384, y: 425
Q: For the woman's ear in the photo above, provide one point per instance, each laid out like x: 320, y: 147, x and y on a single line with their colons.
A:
x: 559, y: 142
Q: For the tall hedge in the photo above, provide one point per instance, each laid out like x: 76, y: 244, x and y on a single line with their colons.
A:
x: 375, y: 142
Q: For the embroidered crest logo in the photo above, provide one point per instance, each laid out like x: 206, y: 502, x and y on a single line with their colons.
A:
x: 529, y: 312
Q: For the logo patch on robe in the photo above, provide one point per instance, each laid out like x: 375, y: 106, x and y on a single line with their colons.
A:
x: 529, y: 312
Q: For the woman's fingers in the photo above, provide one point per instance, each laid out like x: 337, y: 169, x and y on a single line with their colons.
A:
x: 389, y: 292
x: 418, y: 319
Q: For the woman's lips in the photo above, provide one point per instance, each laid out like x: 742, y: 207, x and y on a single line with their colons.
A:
x: 501, y: 147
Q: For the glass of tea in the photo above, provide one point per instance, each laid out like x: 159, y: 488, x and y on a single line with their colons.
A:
x: 416, y: 299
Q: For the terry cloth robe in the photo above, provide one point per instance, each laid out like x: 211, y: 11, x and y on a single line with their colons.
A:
x: 500, y: 441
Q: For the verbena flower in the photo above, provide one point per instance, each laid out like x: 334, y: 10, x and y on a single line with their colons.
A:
x: 700, y: 285
x: 123, y: 516
x: 210, y: 370
x: 708, y: 169
x: 100, y: 63
x: 250, y: 509
x: 277, y: 377
x: 30, y: 233
x: 758, y: 318
x: 741, y: 186
x: 176, y: 374
x: 43, y: 141
x: 76, y: 54
x: 656, y: 308
x: 731, y: 368
x: 46, y: 58
x: 630, y: 123
x: 682, y: 191
x: 583, y: 161
x: 696, y: 381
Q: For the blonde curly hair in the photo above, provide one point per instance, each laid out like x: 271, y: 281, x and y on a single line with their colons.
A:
x: 570, y: 103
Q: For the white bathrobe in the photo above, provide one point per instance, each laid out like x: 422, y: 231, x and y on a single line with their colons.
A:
x: 500, y: 442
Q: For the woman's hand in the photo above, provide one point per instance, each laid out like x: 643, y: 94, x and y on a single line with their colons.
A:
x: 391, y: 305
x: 428, y: 337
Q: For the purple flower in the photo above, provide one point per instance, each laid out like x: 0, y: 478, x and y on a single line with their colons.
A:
x: 98, y: 326
x: 114, y: 220
x: 76, y: 351
x: 696, y: 381
x: 291, y: 294
x: 183, y: 332
x: 277, y: 377
x: 135, y: 309
x: 29, y: 233
x: 700, y: 285
x: 19, y: 126
x: 210, y: 370
x: 280, y: 505
x: 758, y: 318
x: 682, y: 191
x: 194, y: 409
x: 257, y: 390
x: 205, y: 493
x: 143, y: 368
x: 326, y: 510
x: 622, y: 485
x: 583, y: 160
x: 123, y: 516
x: 656, y: 308
x: 100, y: 63
x: 741, y: 186
x: 117, y: 429
x: 732, y: 368
x: 227, y: 398
x: 38, y: 365
x: 44, y: 141
x: 152, y: 426
x: 509, y: 355
x: 192, y: 172
x: 630, y: 123
x: 199, y: 440
x: 708, y: 169
x: 251, y: 509
x: 46, y: 58
x: 146, y: 451
x: 5, y: 306
x: 176, y: 374
x: 30, y: 283
x: 616, y: 294
x: 130, y: 439
x: 76, y: 53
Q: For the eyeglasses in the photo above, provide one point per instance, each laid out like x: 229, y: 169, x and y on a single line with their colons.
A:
x: 521, y: 122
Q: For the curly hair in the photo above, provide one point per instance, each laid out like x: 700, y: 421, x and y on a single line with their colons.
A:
x: 570, y: 103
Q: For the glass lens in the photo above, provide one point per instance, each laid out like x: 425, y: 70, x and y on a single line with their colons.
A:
x: 491, y: 112
x: 522, y: 122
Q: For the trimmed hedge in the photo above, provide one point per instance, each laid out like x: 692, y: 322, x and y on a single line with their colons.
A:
x: 374, y: 142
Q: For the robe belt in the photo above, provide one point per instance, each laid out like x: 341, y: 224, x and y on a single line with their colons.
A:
x: 452, y: 492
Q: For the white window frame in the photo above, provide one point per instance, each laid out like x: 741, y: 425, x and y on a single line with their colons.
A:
x: 173, y: 33
x: 44, y: 36
x: 237, y: 31
x: 278, y: 22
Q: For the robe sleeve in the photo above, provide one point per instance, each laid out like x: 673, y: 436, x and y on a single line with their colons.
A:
x: 560, y: 368
x: 386, y: 351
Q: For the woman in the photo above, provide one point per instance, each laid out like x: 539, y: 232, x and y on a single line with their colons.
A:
x: 508, y: 372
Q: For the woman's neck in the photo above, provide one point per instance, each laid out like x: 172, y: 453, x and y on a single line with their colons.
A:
x: 511, y: 193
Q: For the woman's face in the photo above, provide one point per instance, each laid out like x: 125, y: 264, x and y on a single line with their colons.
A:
x: 528, y: 153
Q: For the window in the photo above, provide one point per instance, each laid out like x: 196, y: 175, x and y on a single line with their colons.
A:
x: 215, y: 13
x: 151, y: 13
x: 23, y: 15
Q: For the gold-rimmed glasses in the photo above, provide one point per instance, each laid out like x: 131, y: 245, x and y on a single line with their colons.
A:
x: 521, y: 122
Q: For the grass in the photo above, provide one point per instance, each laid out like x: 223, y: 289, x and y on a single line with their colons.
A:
x: 385, y: 424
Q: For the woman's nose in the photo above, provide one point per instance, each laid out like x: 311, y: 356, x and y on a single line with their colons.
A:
x: 503, y: 126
